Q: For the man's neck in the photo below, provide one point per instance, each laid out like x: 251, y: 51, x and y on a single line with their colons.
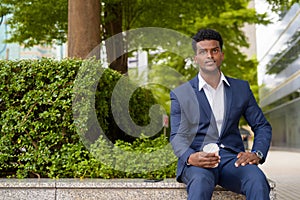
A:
x: 213, y: 79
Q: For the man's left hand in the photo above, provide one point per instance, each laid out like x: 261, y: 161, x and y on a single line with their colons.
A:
x: 245, y: 158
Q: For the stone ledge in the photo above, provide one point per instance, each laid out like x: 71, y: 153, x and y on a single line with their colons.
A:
x: 106, y: 189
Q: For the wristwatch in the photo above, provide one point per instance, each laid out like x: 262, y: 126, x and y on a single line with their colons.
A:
x: 259, y: 154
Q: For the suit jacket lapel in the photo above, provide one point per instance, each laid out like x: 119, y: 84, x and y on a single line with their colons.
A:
x: 203, y: 102
x: 227, y: 106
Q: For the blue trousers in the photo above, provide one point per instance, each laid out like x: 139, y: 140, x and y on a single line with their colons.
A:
x: 248, y: 180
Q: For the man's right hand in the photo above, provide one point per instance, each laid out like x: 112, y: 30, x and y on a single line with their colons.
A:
x: 205, y: 160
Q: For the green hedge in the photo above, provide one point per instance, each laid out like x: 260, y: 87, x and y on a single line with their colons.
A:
x: 38, y: 133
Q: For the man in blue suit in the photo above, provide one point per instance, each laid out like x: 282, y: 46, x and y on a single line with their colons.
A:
x: 207, y: 109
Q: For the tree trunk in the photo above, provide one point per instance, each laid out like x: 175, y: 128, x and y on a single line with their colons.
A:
x: 115, y: 46
x: 83, y: 28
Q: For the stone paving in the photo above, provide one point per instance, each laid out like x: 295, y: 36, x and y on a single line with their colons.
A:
x: 283, y: 166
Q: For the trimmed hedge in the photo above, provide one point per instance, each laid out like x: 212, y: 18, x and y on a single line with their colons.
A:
x: 38, y: 133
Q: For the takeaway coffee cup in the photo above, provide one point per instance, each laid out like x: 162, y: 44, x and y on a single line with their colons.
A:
x: 212, y: 148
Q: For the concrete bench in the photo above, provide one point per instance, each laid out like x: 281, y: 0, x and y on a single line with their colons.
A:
x: 106, y: 189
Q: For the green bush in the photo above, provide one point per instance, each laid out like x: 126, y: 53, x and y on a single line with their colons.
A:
x: 39, y: 135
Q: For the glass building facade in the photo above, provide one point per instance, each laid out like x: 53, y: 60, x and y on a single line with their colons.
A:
x: 279, y: 77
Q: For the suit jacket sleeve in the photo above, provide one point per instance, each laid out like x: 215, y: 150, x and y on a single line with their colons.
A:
x: 184, y: 121
x: 259, y: 125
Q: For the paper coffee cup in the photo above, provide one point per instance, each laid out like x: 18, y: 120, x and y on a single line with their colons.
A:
x: 212, y: 148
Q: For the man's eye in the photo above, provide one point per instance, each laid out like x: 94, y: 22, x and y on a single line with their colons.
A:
x: 215, y: 51
x: 202, y: 52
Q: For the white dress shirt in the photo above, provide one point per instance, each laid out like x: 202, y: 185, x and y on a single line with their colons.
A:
x: 215, y: 98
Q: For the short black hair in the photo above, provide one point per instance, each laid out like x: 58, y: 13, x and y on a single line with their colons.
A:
x: 206, y: 34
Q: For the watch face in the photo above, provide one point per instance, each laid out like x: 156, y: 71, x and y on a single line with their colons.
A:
x: 259, y: 154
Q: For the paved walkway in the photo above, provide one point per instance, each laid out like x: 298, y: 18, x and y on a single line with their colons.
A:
x: 283, y: 167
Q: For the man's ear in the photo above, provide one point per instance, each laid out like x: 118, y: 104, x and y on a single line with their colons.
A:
x: 223, y: 55
x: 195, y: 60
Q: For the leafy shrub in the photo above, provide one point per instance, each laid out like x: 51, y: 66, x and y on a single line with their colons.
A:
x: 38, y: 132
x: 36, y: 119
x: 144, y: 158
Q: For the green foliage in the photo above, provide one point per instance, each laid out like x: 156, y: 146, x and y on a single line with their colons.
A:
x: 146, y: 154
x: 124, y: 110
x: 36, y: 22
x: 34, y: 97
x: 46, y: 21
x: 144, y: 158
x: 228, y: 17
x: 38, y: 135
x: 281, y: 5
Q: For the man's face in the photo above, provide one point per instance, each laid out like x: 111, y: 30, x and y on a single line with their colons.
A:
x: 209, y: 56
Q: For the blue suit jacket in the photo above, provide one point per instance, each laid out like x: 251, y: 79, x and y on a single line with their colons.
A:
x: 193, y: 124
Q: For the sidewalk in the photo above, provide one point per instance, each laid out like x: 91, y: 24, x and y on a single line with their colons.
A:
x: 283, y: 167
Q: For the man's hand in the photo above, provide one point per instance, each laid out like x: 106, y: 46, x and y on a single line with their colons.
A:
x: 245, y: 158
x: 205, y: 160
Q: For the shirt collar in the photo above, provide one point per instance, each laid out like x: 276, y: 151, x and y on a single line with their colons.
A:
x: 202, y: 82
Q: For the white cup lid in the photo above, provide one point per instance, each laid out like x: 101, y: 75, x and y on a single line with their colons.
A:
x: 211, y: 148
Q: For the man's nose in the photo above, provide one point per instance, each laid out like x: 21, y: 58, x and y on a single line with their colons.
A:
x: 209, y: 54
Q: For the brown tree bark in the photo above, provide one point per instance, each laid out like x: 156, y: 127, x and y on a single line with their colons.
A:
x: 83, y: 28
x: 115, y: 46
